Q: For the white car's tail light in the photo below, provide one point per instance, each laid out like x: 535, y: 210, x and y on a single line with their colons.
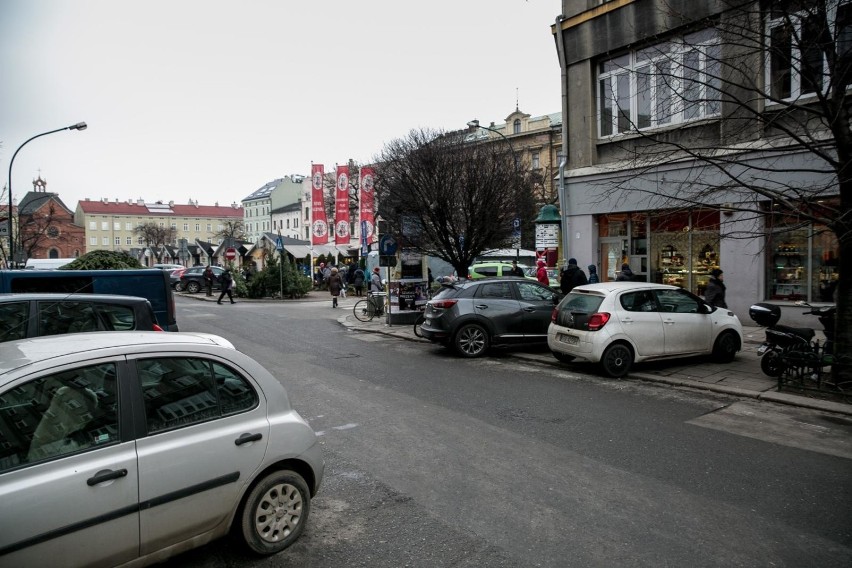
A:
x: 598, y: 320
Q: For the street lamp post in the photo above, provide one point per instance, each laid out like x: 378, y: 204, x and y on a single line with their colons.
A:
x: 78, y: 126
x: 475, y: 124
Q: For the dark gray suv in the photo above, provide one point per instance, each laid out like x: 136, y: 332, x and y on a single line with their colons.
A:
x: 34, y: 315
x: 472, y: 315
x: 192, y: 279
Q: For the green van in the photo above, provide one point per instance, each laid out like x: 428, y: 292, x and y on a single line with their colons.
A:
x: 152, y: 285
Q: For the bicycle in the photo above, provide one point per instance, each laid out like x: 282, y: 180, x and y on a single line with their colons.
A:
x: 420, y: 319
x: 373, y: 306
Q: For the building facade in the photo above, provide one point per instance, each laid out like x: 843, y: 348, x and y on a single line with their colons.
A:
x: 259, y: 205
x: 109, y: 225
x: 669, y: 147
x: 47, y: 228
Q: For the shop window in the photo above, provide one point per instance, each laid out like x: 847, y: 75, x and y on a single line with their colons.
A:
x: 802, y: 260
x: 685, y: 248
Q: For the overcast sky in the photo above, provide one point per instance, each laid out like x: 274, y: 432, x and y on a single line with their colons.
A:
x: 210, y: 100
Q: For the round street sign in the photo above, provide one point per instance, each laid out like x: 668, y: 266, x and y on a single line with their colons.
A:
x: 231, y: 253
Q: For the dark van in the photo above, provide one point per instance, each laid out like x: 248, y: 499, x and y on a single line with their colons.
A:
x: 152, y: 285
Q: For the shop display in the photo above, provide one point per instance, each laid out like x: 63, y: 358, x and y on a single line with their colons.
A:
x: 788, y: 273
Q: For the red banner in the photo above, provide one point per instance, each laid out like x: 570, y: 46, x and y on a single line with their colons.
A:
x: 319, y: 227
x: 367, y: 199
x: 341, y: 207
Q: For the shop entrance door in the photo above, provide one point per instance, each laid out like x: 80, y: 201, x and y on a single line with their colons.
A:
x: 613, y: 254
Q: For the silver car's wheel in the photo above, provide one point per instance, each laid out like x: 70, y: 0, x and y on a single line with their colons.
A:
x: 275, y: 512
x: 178, y: 287
x: 471, y: 340
x: 616, y: 360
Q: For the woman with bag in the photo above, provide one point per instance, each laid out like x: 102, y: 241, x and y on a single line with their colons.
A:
x: 227, y: 282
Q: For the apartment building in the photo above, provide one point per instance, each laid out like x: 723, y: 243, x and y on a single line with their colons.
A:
x: 687, y: 130
x: 259, y: 205
x: 109, y: 224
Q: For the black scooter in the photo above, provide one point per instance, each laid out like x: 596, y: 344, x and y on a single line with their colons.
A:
x: 793, y: 347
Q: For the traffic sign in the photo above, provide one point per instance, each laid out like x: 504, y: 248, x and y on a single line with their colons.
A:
x: 387, y: 245
x: 230, y: 253
x: 279, y: 246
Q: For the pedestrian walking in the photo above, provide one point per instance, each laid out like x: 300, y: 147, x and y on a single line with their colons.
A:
x: 714, y: 294
x: 593, y: 274
x: 227, y: 282
x: 358, y: 281
x: 335, y: 285
x: 516, y: 270
x: 208, y: 279
x: 541, y: 273
x: 626, y: 274
x: 572, y: 276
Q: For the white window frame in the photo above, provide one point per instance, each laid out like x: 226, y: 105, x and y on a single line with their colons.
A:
x: 795, y: 20
x: 628, y: 68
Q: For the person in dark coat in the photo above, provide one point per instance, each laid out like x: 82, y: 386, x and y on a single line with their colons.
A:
x: 208, y: 279
x: 358, y: 281
x: 593, y: 274
x: 227, y: 282
x: 571, y: 277
x: 335, y: 284
x: 714, y: 294
x: 626, y: 274
x: 516, y: 270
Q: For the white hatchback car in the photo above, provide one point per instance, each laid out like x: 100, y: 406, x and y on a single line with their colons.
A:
x: 127, y: 448
x: 618, y: 323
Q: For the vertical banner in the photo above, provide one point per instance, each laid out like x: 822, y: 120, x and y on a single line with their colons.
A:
x: 341, y: 207
x: 319, y: 226
x: 367, y: 213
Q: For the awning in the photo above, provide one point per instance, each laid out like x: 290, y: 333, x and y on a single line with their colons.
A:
x: 298, y: 251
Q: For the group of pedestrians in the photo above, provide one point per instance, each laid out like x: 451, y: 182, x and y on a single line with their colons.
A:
x: 339, y: 281
x: 573, y: 275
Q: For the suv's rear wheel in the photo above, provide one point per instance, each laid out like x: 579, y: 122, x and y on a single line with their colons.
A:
x: 193, y: 287
x: 471, y: 340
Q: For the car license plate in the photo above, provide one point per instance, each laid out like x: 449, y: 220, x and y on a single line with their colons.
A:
x: 762, y: 349
x: 569, y: 339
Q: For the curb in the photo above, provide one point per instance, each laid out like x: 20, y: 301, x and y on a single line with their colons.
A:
x: 402, y: 332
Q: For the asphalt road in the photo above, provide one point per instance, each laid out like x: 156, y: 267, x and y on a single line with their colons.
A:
x: 432, y: 460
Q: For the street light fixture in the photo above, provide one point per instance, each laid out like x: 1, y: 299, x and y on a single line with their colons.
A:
x: 78, y: 126
x: 475, y: 124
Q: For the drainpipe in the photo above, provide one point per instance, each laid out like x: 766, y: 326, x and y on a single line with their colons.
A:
x: 563, y: 157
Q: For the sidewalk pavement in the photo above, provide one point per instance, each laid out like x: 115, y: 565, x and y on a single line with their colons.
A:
x: 742, y: 377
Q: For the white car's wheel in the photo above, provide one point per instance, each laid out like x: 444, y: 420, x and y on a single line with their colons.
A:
x: 617, y: 360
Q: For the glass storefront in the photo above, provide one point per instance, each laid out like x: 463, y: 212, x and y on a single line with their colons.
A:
x: 802, y: 260
x: 685, y: 248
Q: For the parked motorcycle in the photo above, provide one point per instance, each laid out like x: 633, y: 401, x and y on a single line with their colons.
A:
x: 789, y: 347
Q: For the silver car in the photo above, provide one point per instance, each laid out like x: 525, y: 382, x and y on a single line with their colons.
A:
x: 127, y: 448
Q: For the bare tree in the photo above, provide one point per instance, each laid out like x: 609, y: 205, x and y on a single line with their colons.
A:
x: 771, y: 79
x: 232, y: 229
x: 448, y: 197
x: 156, y: 237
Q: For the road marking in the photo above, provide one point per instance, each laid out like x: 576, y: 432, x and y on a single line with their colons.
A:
x: 343, y: 427
x: 787, y: 426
